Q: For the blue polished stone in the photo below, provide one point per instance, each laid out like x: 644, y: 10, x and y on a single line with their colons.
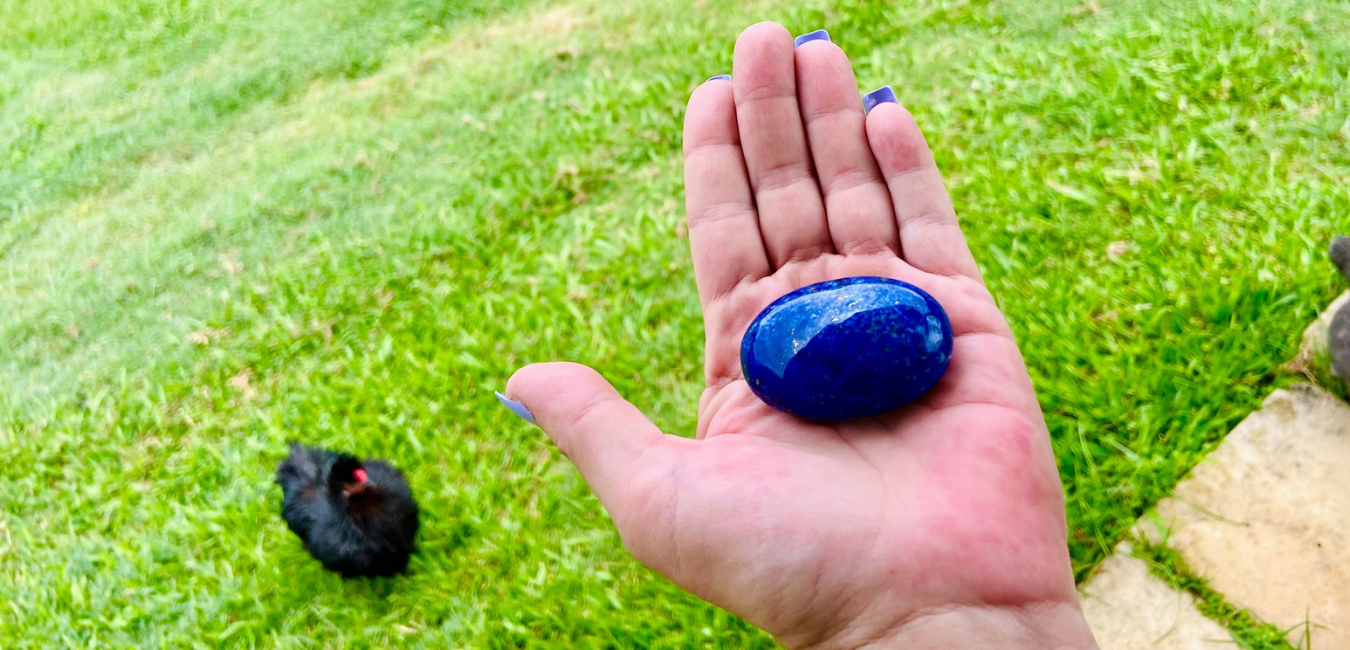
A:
x: 845, y: 349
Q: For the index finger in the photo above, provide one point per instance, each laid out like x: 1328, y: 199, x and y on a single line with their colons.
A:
x: 724, y: 235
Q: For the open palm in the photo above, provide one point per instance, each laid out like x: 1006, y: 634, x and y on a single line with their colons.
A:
x: 841, y: 535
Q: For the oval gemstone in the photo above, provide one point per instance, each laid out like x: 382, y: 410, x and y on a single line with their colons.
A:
x: 845, y: 349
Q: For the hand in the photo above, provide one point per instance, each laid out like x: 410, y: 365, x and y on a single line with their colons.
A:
x: 938, y: 525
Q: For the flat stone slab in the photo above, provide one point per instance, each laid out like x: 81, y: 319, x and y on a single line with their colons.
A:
x: 1266, y: 517
x: 1129, y: 608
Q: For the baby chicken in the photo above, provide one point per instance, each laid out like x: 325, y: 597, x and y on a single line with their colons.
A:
x: 356, y: 517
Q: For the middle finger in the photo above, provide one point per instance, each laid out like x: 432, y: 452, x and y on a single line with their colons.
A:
x: 791, y: 212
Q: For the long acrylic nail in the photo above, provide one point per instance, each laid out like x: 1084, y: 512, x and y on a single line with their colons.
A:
x: 881, y: 95
x: 517, y: 408
x: 721, y: 77
x: 818, y: 35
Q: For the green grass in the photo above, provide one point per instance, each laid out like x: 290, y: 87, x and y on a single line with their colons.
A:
x: 226, y: 224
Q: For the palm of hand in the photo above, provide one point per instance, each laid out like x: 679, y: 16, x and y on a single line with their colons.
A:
x: 825, y: 535
x: 805, y: 529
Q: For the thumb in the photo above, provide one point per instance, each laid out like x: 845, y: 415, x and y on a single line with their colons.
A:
x: 600, y: 432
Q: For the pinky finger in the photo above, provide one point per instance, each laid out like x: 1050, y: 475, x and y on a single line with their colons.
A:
x: 930, y: 236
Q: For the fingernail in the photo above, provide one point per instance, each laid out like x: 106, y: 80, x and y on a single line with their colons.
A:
x: 723, y: 77
x: 881, y: 95
x: 517, y: 408
x: 818, y: 35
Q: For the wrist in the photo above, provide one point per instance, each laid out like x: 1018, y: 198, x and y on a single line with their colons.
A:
x: 1041, y: 626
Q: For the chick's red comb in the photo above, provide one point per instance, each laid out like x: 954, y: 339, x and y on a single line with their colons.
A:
x: 361, y: 476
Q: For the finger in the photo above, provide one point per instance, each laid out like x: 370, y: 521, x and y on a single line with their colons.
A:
x: 930, y: 237
x: 607, y: 438
x: 861, y: 219
x: 723, y: 229
x: 787, y: 198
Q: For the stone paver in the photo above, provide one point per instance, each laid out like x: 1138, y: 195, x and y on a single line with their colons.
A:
x: 1266, y: 517
x: 1129, y: 608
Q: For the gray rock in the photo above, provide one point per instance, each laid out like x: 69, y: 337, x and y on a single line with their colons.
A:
x: 1338, y: 333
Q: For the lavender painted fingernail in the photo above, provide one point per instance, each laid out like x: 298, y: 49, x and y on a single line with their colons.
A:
x: 881, y: 95
x: 722, y: 77
x: 517, y: 408
x: 818, y: 35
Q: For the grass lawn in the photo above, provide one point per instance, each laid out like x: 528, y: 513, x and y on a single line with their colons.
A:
x: 225, y: 224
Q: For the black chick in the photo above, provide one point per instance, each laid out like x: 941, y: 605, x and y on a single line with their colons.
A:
x: 356, y: 517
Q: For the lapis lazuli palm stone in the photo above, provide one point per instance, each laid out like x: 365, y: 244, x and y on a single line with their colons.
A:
x: 845, y: 349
